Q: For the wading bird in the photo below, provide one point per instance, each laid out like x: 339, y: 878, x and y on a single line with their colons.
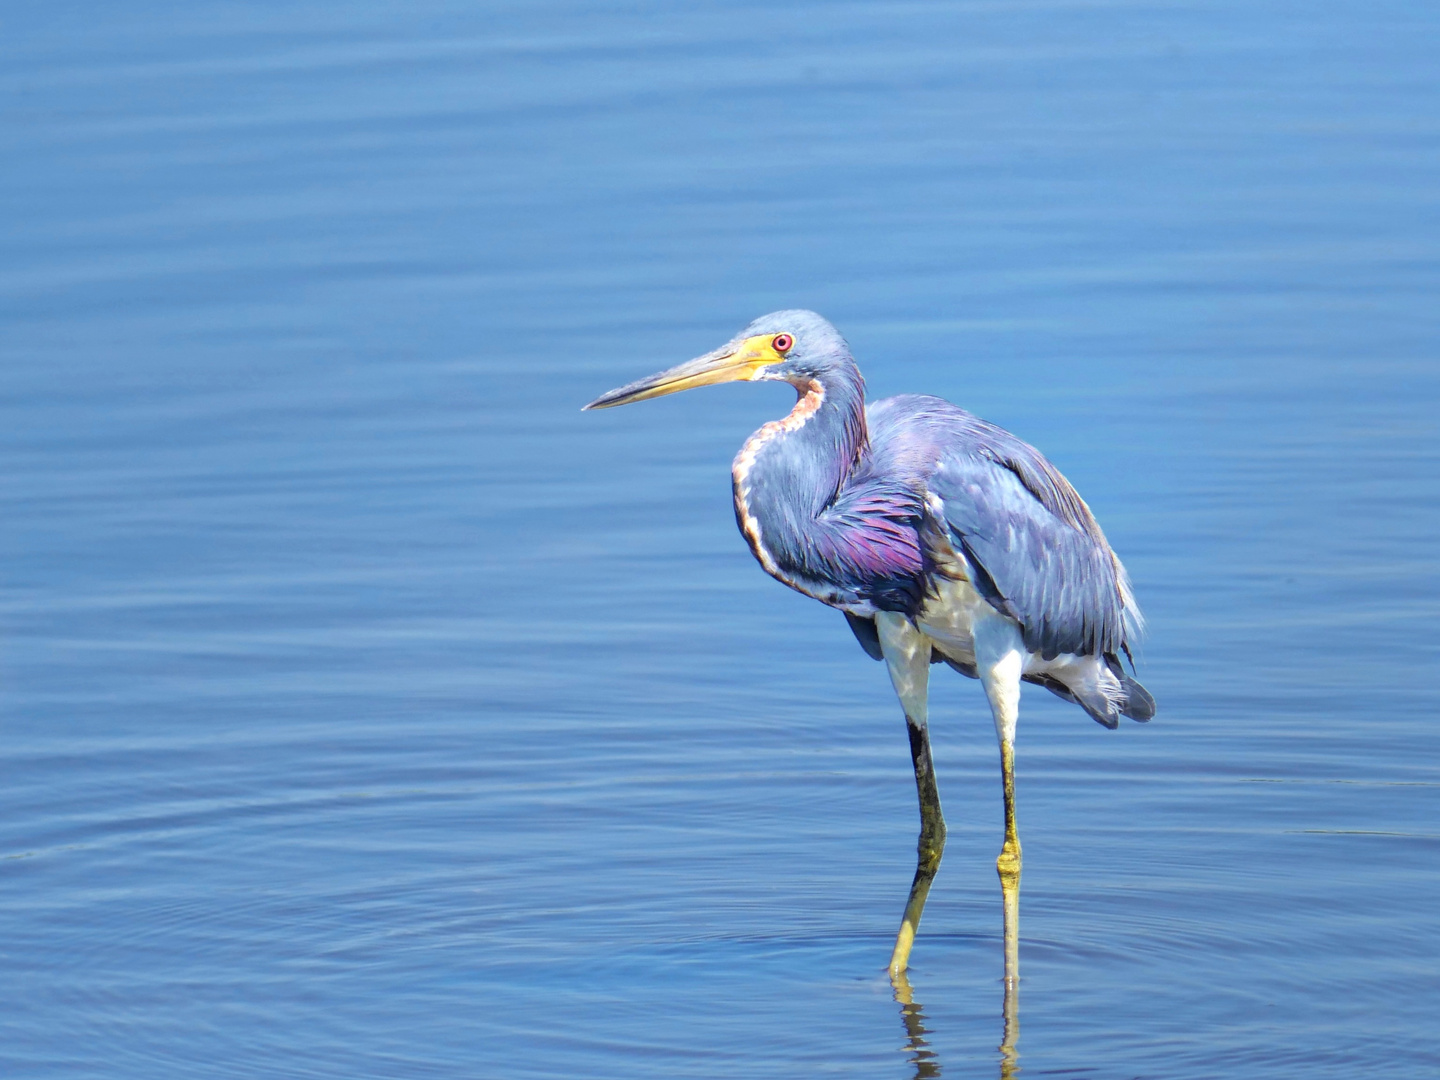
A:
x: 942, y: 539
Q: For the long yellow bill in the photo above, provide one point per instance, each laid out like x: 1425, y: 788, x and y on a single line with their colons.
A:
x: 738, y: 361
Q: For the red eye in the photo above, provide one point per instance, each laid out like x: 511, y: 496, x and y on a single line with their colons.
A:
x: 782, y: 343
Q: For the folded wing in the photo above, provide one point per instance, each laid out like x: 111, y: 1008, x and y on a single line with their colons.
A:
x: 1035, y: 550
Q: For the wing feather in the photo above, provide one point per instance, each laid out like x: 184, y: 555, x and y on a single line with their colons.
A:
x: 1035, y: 550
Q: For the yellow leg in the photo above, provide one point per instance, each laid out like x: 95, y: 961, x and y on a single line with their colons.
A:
x: 929, y: 849
x: 907, y: 655
x: 1009, y: 861
x: 1000, y: 660
x: 1009, y: 866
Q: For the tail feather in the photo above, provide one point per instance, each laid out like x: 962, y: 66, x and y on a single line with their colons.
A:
x: 1101, y: 709
x: 1139, y: 705
x: 1103, y: 690
x: 1133, y: 700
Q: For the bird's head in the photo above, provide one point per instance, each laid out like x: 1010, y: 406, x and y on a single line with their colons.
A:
x: 788, y: 346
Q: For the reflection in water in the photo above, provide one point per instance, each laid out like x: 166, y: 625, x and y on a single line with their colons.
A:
x: 912, y: 1014
x: 1010, y: 1007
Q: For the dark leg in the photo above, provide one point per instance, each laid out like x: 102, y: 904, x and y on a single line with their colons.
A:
x: 929, y: 849
x: 907, y: 655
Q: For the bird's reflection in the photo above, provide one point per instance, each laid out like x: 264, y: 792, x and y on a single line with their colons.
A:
x: 912, y: 1014
x: 1010, y: 1005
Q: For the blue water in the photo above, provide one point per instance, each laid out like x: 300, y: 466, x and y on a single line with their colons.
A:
x: 367, y: 711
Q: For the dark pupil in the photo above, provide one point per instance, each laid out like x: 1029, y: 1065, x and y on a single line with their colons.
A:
x: 782, y: 342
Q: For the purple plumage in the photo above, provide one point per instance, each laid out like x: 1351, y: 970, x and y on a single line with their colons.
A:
x: 940, y: 536
x: 847, y: 503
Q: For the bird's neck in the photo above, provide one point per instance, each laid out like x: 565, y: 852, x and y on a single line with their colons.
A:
x: 790, y: 470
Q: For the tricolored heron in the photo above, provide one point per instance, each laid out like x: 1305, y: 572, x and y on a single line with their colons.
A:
x: 941, y: 537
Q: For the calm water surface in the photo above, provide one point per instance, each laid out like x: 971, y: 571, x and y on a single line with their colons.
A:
x: 367, y: 711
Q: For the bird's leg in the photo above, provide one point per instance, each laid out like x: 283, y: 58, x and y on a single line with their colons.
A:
x: 929, y: 849
x: 1009, y: 866
x: 907, y: 655
x: 1000, y: 662
x: 1008, y: 862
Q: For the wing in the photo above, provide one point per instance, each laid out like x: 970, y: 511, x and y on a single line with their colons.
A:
x: 1035, y: 550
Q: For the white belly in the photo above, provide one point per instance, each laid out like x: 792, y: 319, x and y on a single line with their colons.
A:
x: 949, y: 619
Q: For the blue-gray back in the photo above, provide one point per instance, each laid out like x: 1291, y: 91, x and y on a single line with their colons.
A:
x: 1034, y: 548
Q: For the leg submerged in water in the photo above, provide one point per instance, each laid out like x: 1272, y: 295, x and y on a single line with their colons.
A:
x: 907, y: 655
x: 930, y: 848
x: 1000, y: 660
x: 1009, y: 866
